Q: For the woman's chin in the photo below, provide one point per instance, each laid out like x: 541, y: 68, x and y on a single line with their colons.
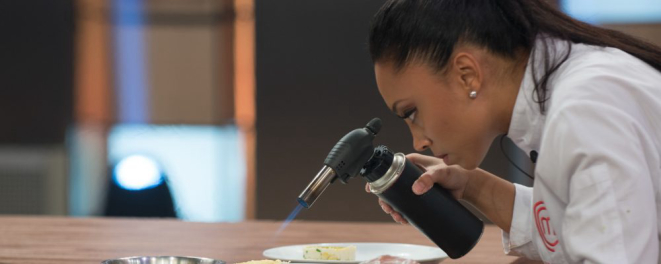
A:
x: 467, y: 164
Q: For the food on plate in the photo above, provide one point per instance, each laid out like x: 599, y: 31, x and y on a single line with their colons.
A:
x: 266, y: 261
x: 387, y: 259
x: 347, y: 253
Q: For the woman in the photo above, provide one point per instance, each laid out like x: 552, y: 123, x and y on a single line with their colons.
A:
x: 586, y: 99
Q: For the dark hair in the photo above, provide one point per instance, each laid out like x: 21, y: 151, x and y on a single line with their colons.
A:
x: 403, y: 30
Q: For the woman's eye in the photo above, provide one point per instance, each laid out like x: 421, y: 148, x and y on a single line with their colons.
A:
x: 410, y: 114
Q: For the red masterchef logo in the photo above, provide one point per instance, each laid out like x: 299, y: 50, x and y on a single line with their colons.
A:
x: 546, y: 232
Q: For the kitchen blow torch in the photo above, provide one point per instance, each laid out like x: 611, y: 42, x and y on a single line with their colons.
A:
x: 436, y: 213
x: 344, y: 161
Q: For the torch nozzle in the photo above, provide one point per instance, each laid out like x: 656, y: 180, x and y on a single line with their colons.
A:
x: 317, y: 186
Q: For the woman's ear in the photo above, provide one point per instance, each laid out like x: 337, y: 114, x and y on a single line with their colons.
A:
x: 468, y: 72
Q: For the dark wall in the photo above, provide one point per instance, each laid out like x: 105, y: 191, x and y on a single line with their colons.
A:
x: 36, y: 70
x: 315, y: 83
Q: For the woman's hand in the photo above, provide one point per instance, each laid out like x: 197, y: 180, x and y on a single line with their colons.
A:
x: 453, y: 178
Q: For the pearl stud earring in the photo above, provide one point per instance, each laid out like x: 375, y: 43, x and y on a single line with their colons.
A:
x: 473, y: 94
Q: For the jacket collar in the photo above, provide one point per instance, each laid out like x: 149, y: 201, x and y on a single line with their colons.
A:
x: 527, y: 122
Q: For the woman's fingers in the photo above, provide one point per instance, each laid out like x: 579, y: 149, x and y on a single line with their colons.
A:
x: 398, y: 218
x: 394, y: 214
x: 423, y: 184
x: 423, y: 160
x: 385, y: 207
x: 440, y: 175
x: 451, y: 178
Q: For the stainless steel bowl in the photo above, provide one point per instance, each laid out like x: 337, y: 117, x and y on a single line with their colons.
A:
x: 163, y: 260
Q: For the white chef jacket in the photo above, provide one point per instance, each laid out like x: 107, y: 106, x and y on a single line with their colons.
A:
x: 596, y: 193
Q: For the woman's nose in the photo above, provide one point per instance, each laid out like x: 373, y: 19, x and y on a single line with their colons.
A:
x: 420, y: 143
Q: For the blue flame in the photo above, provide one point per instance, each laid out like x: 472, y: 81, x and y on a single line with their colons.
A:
x: 290, y: 218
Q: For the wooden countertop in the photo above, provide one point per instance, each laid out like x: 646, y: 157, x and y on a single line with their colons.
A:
x: 29, y: 239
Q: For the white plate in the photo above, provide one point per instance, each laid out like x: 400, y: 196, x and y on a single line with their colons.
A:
x: 364, y: 251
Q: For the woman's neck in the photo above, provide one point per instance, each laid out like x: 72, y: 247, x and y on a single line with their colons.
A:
x: 510, y: 79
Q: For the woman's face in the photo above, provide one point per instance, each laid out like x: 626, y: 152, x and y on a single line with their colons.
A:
x: 438, y: 109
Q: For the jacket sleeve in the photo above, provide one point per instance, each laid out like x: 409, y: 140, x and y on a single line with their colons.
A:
x: 592, y: 157
x: 519, y: 240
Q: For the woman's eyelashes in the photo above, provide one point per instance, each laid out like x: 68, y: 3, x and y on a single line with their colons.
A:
x: 410, y: 114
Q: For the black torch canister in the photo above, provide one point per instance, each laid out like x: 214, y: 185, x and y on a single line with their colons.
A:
x: 391, y: 176
x: 435, y: 213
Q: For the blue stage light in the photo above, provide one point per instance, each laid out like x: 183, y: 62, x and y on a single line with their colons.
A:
x: 137, y: 172
x: 613, y: 11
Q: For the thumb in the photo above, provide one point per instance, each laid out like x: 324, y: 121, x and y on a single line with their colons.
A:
x: 423, y: 184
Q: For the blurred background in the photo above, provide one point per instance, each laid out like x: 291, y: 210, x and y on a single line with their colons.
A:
x: 203, y: 110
